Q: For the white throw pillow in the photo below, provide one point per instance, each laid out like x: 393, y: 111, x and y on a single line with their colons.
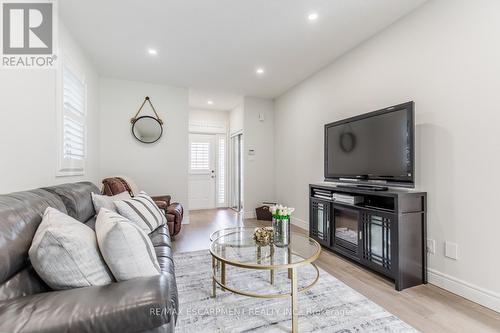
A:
x: 106, y: 201
x: 127, y: 249
x: 142, y: 211
x: 65, y: 254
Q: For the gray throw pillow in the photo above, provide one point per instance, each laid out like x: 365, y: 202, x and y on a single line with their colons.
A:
x: 65, y: 254
x: 126, y: 248
x: 105, y: 201
x: 142, y: 211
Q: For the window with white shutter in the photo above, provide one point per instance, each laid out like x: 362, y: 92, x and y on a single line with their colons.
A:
x: 73, y: 123
x: 221, y: 186
x: 199, y: 156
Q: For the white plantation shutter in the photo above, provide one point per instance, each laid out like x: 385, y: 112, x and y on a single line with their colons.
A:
x: 73, y: 127
x: 221, y: 186
x: 199, y: 156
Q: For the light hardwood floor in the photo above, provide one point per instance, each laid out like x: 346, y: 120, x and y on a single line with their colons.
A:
x: 427, y: 307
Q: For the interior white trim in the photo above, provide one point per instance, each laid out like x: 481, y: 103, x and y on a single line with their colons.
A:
x: 299, y: 223
x: 208, y: 127
x: 249, y: 214
x: 236, y: 133
x: 467, y: 290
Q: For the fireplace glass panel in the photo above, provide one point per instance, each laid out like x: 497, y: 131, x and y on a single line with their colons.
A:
x: 346, y: 226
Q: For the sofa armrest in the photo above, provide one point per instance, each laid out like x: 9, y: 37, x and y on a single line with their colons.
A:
x: 165, y: 198
x: 176, y: 210
x: 162, y: 205
x: 130, y: 306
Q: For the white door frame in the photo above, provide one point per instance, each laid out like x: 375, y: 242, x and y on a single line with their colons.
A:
x: 231, y: 180
x: 201, y: 179
x: 219, y: 130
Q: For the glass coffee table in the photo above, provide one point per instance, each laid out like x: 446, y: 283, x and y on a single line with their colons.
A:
x: 236, y: 247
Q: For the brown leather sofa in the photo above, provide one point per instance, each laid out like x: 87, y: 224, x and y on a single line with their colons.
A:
x: 27, y: 304
x: 174, y: 212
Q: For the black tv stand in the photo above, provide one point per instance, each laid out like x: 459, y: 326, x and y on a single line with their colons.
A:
x: 384, y: 231
x: 366, y: 187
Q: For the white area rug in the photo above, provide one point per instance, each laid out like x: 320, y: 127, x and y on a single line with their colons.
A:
x: 330, y: 306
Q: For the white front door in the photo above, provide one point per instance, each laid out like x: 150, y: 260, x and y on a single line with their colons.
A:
x: 201, y: 171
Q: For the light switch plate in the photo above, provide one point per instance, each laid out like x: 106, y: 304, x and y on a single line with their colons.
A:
x: 451, y: 250
x: 431, y: 246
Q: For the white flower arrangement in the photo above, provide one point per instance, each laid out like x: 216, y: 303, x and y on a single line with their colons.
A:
x: 281, y: 212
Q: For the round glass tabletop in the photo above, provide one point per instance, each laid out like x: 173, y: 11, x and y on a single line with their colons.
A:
x: 225, y: 231
x: 237, y: 247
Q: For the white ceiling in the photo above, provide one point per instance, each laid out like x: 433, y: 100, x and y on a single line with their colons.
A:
x: 198, y: 99
x: 218, y: 44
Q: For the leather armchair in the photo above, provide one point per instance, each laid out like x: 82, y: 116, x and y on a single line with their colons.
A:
x: 174, y: 212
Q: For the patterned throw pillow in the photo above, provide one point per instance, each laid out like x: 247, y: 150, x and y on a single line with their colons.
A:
x: 142, y: 211
x: 126, y: 248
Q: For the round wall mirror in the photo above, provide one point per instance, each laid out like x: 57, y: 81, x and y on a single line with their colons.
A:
x: 147, y: 129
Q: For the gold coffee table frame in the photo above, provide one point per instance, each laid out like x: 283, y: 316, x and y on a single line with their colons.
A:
x: 292, y: 270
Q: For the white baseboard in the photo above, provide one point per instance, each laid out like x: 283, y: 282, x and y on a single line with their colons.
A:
x: 469, y: 291
x: 300, y: 223
x: 185, y: 219
x: 249, y: 215
x: 474, y: 293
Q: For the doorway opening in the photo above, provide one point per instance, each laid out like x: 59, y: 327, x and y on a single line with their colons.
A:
x: 208, y: 160
x: 212, y: 117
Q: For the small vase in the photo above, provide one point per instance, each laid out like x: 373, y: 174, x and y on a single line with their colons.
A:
x: 281, y: 228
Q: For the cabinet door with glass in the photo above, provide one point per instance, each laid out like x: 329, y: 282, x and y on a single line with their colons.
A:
x: 377, y: 248
x: 320, y: 221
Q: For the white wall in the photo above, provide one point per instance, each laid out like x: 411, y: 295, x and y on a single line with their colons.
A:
x: 258, y: 170
x: 208, y: 121
x: 158, y: 168
x: 28, y: 135
x: 236, y: 119
x: 445, y: 57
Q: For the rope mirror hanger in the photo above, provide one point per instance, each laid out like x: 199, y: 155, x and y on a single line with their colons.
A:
x: 147, y: 129
x: 146, y: 99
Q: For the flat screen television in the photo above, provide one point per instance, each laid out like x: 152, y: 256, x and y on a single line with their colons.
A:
x: 375, y: 148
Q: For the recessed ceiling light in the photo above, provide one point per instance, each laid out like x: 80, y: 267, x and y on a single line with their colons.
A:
x: 210, y: 102
x: 260, y: 71
x: 152, y: 51
x: 312, y: 16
